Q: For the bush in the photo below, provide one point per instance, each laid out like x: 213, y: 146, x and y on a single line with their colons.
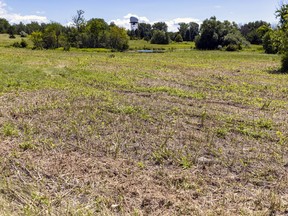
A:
x: 284, y: 61
x: 234, y: 41
x: 270, y: 44
x: 118, y: 39
x: 22, y: 44
x: 179, y: 38
x: 232, y: 47
x: 16, y: 45
x: 160, y: 37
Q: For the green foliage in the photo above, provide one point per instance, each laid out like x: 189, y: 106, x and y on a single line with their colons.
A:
x: 271, y: 43
x: 9, y: 130
x: 37, y: 39
x: 22, y: 44
x: 214, y: 33
x: 282, y: 35
x: 4, y: 25
x: 51, y: 36
x: 234, y: 41
x: 11, y: 32
x: 188, y: 31
x: 251, y: 33
x: 284, y: 62
x: 145, y: 31
x: 118, y: 38
x: 160, y: 26
x: 97, y: 33
x: 160, y: 37
x: 178, y: 38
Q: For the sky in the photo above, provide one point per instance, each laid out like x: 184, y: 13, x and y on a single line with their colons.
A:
x: 150, y: 11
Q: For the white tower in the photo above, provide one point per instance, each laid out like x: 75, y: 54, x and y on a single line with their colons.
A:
x: 134, y: 23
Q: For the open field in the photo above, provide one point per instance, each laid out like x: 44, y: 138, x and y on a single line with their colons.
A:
x: 5, y: 41
x: 141, y: 44
x: 176, y: 133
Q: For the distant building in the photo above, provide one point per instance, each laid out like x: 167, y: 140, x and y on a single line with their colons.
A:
x: 134, y: 23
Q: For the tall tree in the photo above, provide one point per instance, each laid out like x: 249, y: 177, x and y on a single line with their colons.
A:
x: 118, y: 38
x: 282, y: 14
x: 249, y: 31
x: 161, y: 26
x: 145, y: 31
x: 183, y: 29
x: 96, y: 29
x: 188, y: 31
x: 79, y: 20
x: 214, y: 33
x: 193, y: 30
x: 4, y: 25
x: 160, y: 37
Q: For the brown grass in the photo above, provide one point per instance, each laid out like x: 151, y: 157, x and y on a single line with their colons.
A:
x: 212, y: 142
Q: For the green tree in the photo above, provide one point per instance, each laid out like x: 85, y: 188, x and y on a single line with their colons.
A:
x: 79, y: 20
x: 160, y: 37
x: 213, y: 34
x: 161, y: 26
x: 145, y: 31
x: 271, y: 39
x: 51, y: 36
x: 178, y: 38
x: 118, y: 38
x: 96, y: 28
x: 282, y: 14
x: 4, y: 25
x: 188, y: 31
x: 36, y: 38
x: 249, y: 31
x: 193, y: 30
x: 184, y: 31
x: 11, y: 31
x: 33, y: 27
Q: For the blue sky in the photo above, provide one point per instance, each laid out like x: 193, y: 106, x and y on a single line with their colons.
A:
x: 170, y: 11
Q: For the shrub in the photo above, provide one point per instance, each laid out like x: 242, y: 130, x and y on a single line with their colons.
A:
x: 179, y: 38
x: 284, y: 61
x: 16, y: 45
x: 36, y: 38
x: 232, y: 47
x: 23, y: 43
x: 160, y: 37
x: 118, y: 39
x: 234, y: 42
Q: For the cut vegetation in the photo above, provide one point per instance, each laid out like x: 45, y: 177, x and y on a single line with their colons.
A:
x: 177, y: 133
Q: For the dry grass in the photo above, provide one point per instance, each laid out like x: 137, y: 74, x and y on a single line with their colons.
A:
x: 180, y: 133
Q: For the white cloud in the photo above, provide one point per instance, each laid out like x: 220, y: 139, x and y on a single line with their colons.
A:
x: 172, y: 24
x: 17, y: 18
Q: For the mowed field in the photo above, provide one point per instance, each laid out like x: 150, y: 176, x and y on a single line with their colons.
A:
x: 177, y: 133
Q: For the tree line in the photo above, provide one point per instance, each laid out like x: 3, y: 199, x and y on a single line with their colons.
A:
x: 212, y: 34
x: 96, y: 33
